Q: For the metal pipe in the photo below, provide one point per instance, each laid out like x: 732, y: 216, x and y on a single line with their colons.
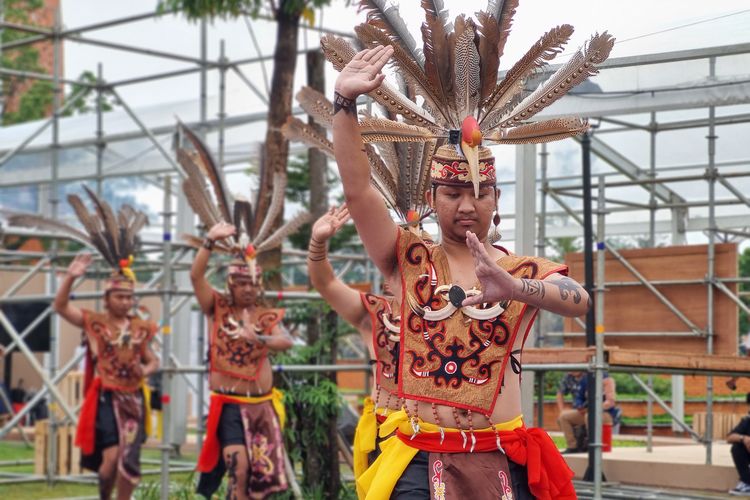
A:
x: 652, y: 204
x: 40, y: 394
x: 660, y: 180
x: 53, y: 119
x: 721, y: 286
x: 54, y: 345
x: 222, y: 99
x: 166, y: 378
x: 178, y: 168
x: 663, y: 299
x: 599, y: 339
x: 25, y: 279
x: 655, y: 397
x: 711, y: 178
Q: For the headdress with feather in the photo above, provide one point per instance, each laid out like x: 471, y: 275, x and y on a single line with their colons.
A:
x: 114, y: 236
x: 456, y: 75
x: 254, y: 233
x: 400, y: 171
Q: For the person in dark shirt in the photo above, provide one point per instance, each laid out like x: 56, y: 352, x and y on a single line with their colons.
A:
x: 575, y: 384
x: 740, y: 441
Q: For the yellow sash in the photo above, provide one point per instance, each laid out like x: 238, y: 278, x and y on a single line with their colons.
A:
x: 378, y: 481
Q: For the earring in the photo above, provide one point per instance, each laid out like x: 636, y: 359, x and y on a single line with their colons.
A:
x: 495, y: 233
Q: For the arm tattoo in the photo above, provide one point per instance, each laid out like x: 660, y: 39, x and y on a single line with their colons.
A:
x: 567, y: 287
x: 341, y: 102
x: 532, y: 288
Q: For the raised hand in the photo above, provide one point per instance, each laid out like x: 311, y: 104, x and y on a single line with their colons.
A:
x: 329, y: 223
x: 78, y: 267
x: 220, y: 231
x: 497, y: 284
x: 363, y: 73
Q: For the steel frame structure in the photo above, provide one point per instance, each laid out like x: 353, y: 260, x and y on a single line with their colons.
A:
x: 553, y: 191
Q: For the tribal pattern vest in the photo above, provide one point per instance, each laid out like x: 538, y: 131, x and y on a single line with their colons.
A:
x: 118, y: 353
x: 386, y: 327
x: 451, y: 355
x: 229, y: 353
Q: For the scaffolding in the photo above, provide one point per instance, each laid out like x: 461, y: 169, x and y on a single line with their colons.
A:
x: 533, y: 221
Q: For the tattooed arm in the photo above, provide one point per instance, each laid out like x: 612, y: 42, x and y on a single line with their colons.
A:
x: 556, y: 293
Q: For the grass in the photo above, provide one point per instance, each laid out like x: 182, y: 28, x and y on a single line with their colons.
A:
x: 182, y: 483
x: 616, y: 443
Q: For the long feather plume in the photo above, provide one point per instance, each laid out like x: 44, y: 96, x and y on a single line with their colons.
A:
x: 382, y: 177
x: 277, y: 238
x: 581, y: 66
x: 504, y: 11
x: 489, y: 57
x: 339, y: 52
x: 423, y: 176
x: 92, y: 226
x: 437, y: 67
x: 467, y: 71
x: 316, y: 105
x: 383, y: 130
x: 39, y: 222
x: 296, y: 130
x: 210, y: 170
x: 200, y: 205
x: 407, y: 66
x: 274, y: 209
x: 245, y: 214
x: 109, y: 223
x: 131, y: 232
x: 539, y: 132
x: 545, y: 49
x: 386, y: 17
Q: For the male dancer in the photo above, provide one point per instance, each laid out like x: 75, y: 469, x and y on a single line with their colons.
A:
x: 246, y: 413
x: 463, y: 305
x: 114, y: 419
x: 376, y: 319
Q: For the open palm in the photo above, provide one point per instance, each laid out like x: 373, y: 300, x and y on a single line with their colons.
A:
x: 497, y: 284
x: 78, y: 267
x: 363, y: 73
x: 329, y: 224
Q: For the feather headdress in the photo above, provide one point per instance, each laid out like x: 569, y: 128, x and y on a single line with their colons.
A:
x: 254, y: 230
x: 113, y: 235
x: 400, y: 171
x: 456, y: 76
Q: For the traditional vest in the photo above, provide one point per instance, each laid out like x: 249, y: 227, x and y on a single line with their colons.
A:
x: 386, y: 328
x: 119, y: 353
x: 229, y: 353
x: 455, y: 356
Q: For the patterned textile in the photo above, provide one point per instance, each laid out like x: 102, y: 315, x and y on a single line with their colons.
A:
x: 230, y: 354
x: 118, y: 353
x: 458, y: 360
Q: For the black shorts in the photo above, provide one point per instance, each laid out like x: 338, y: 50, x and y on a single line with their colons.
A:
x: 107, y: 433
x: 414, y: 483
x: 230, y: 430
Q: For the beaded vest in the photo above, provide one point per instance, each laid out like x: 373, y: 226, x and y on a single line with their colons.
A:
x: 453, y: 355
x: 230, y: 353
x: 119, y: 353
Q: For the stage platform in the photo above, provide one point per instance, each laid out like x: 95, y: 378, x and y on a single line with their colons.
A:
x: 678, y: 466
x: 641, y: 361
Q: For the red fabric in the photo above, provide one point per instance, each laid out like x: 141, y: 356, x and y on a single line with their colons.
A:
x: 549, y: 475
x: 380, y: 418
x: 88, y: 373
x: 86, y: 431
x: 211, y: 450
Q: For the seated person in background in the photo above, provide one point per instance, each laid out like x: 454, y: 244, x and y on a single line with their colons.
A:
x: 575, y: 383
x: 740, y: 441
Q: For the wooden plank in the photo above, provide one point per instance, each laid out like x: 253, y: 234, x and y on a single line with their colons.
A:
x: 546, y: 355
x: 40, y: 447
x: 636, y: 309
x: 63, y: 450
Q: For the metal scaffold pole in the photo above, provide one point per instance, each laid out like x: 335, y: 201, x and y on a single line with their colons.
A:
x: 166, y: 329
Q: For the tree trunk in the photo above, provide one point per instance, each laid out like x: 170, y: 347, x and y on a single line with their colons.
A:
x: 279, y: 108
x: 317, y: 160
